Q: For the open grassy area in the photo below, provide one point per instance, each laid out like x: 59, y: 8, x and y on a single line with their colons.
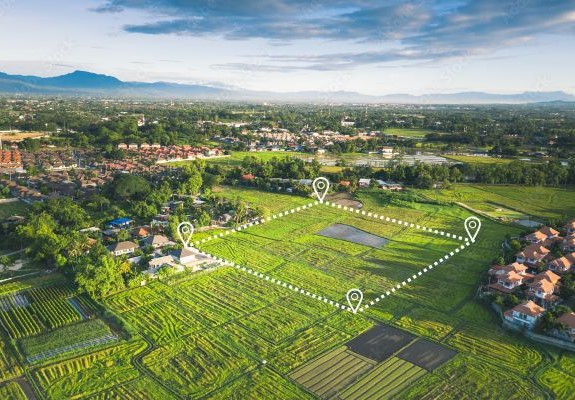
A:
x: 12, y: 208
x: 409, y: 132
x: 510, y: 201
x: 236, y: 157
x: 479, y: 159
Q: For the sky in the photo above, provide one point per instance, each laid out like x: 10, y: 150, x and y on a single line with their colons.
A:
x: 371, y: 47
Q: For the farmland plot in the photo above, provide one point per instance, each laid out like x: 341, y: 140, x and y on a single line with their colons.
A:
x: 82, y: 376
x: 385, y: 381
x: 332, y: 372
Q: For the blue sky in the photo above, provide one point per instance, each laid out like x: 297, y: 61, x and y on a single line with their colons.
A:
x: 372, y: 47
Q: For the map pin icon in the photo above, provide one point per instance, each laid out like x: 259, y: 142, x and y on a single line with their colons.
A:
x: 472, y: 226
x: 320, y: 187
x: 185, y: 232
x: 354, y: 298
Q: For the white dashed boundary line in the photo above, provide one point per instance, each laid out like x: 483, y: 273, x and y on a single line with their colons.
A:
x: 279, y: 282
x: 334, y: 205
x: 324, y: 299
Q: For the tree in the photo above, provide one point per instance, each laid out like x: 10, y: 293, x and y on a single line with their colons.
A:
x: 193, y: 181
x: 5, y: 261
x: 144, y: 210
x: 101, y: 274
x: 126, y: 186
x: 204, y: 219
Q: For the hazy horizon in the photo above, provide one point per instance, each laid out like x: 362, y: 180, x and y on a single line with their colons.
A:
x: 375, y: 48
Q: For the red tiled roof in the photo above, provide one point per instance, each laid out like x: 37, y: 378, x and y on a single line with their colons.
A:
x: 548, y: 231
x: 567, y: 319
x: 534, y: 251
x: 529, y: 308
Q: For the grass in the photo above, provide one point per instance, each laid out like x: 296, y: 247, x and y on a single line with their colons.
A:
x: 12, y: 208
x: 479, y: 159
x: 499, y: 200
x: 410, y: 132
x: 237, y: 157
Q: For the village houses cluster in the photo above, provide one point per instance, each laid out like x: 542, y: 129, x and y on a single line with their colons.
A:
x: 537, y: 274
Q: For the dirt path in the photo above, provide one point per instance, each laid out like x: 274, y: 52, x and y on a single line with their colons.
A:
x: 26, y: 387
x: 344, y: 199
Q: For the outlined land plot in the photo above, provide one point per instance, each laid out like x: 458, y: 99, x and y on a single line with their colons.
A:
x: 288, y: 249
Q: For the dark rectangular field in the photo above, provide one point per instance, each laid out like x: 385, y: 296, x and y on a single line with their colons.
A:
x: 380, y: 342
x: 354, y: 235
x: 426, y: 354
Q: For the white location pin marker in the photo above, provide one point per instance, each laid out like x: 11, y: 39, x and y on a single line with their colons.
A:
x: 354, y: 298
x: 472, y: 226
x: 185, y: 232
x: 320, y: 187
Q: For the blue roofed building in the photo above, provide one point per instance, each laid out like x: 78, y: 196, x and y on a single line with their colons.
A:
x: 120, y: 223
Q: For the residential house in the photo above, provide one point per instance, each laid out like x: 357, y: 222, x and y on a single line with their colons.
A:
x: 386, y: 150
x: 122, y: 146
x: 120, y: 223
x: 563, y: 264
x: 156, y: 263
x: 525, y: 314
x: 121, y: 248
x: 509, y: 277
x: 568, y: 243
x: 364, y: 182
x: 568, y: 320
x: 543, y: 288
x: 142, y: 231
x: 184, y: 256
x: 569, y: 227
x: 532, y: 254
x: 156, y: 241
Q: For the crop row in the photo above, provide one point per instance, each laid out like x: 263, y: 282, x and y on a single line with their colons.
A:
x: 385, y: 381
x: 332, y: 372
x: 496, y: 346
x: 276, y: 323
x: 196, y: 365
x: 19, y: 322
x: 56, y: 313
x: 85, y: 375
x: 166, y: 320
x: 47, y: 293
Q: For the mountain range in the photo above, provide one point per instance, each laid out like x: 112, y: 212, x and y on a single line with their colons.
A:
x: 83, y: 83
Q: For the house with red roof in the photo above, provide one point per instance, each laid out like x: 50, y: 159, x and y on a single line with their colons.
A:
x: 569, y: 227
x: 562, y: 264
x: 543, y: 288
x: 532, y: 254
x: 568, y: 321
x: 525, y: 314
x: 568, y: 244
x: 507, y: 278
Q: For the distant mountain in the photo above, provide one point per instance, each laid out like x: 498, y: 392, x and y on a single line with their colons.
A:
x: 83, y: 83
